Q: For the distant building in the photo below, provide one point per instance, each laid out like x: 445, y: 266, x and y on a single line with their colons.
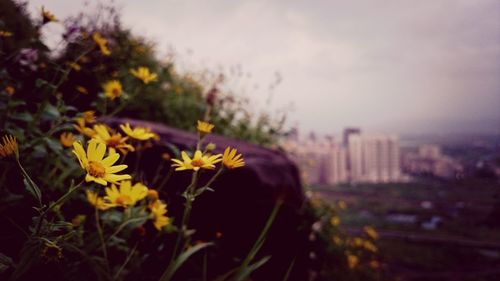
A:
x: 374, y: 158
x: 429, y: 161
x: 359, y: 158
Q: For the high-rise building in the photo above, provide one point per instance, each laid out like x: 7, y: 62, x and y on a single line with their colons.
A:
x: 361, y: 158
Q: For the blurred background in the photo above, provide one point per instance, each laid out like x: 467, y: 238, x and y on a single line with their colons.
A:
x: 390, y: 109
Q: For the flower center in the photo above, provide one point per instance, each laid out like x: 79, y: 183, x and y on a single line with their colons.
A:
x: 115, y: 92
x: 123, y: 200
x: 197, y: 162
x: 114, y: 141
x: 96, y: 169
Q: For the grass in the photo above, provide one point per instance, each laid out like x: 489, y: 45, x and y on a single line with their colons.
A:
x: 463, y: 206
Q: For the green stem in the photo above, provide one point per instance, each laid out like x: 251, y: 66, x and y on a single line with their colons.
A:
x: 259, y: 242
x: 32, y: 184
x: 166, y: 178
x: 185, y: 216
x: 101, y: 237
x: 132, y: 252
x: 157, y: 172
x: 221, y: 169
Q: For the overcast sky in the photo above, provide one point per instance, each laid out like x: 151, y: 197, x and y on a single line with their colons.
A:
x: 403, y: 66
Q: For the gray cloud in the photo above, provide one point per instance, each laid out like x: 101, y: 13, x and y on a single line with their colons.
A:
x: 384, y: 65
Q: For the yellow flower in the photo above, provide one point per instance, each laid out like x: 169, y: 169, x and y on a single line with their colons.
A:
x: 357, y: 242
x: 204, y: 128
x: 115, y: 141
x: 89, y: 116
x: 342, y: 205
x: 9, y: 146
x: 371, y: 232
x: 78, y: 220
x: 337, y: 240
x: 75, y: 66
x: 374, y: 264
x: 47, y: 16
x: 352, y: 261
x: 159, y: 209
x: 370, y: 246
x: 153, y: 195
x: 81, y: 90
x: 10, y: 90
x: 335, y: 221
x: 98, y: 169
x: 144, y: 74
x: 127, y: 195
x: 5, y: 34
x: 83, y: 129
x: 199, y: 161
x: 231, y: 160
x: 112, y: 89
x: 102, y: 43
x: 165, y: 156
x: 67, y: 139
x: 96, y: 201
x: 137, y: 133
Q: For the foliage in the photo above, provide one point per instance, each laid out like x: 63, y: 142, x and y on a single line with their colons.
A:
x: 74, y: 202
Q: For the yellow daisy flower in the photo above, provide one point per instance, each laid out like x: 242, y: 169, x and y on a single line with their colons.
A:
x: 342, y: 205
x: 10, y: 90
x: 96, y: 201
x: 4, y: 33
x: 89, y: 116
x: 112, y: 89
x: 115, y: 141
x: 204, y: 128
x: 82, y: 90
x: 98, y: 169
x: 159, y: 209
x: 144, y: 74
x: 102, y: 43
x: 127, y: 195
x: 67, y: 139
x: 75, y: 66
x: 371, y: 232
x: 335, y: 221
x: 352, y: 261
x: 47, y: 16
x: 81, y: 127
x: 9, y: 146
x: 370, y: 246
x: 231, y: 160
x: 137, y: 133
x: 199, y: 161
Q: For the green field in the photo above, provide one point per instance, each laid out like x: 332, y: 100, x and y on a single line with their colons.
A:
x: 429, y: 230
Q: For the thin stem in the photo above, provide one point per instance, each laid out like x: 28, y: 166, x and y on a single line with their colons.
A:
x: 30, y: 182
x: 138, y: 161
x: 166, y: 178
x: 101, y: 237
x: 132, y: 252
x: 186, y: 214
x: 221, y: 169
x: 157, y: 172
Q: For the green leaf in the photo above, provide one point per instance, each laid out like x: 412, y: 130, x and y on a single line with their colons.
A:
x: 40, y: 82
x: 30, y: 254
x: 5, y: 263
x: 53, y: 145
x: 32, y: 189
x: 172, y: 268
x: 245, y: 272
x: 51, y: 112
x: 23, y: 116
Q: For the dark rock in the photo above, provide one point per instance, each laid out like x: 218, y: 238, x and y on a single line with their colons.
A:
x: 241, y: 203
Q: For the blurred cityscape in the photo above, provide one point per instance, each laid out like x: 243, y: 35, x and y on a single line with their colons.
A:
x: 359, y: 157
